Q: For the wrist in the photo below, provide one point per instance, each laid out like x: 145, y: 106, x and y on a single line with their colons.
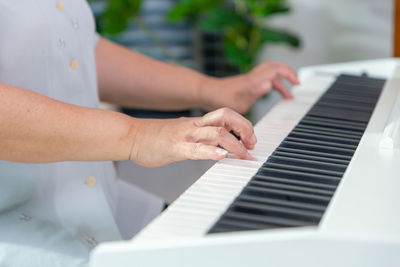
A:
x: 117, y: 139
x: 133, y: 137
x: 216, y: 93
x: 206, y: 92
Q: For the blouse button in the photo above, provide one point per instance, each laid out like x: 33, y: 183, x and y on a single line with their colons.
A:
x: 60, y: 5
x: 91, y: 181
x: 61, y: 43
x: 75, y: 24
x: 25, y: 217
x: 73, y: 64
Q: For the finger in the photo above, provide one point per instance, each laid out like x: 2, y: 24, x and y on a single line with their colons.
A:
x: 281, y: 88
x: 230, y: 120
x: 220, y: 136
x: 288, y: 73
x: 198, y: 151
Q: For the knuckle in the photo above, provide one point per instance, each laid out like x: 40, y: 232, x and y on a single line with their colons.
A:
x: 225, y: 111
x: 191, y: 136
x: 265, y: 85
x: 198, y: 121
x: 221, y: 131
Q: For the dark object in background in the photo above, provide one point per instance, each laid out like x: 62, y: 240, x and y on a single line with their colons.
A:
x: 140, y: 113
x: 213, y: 60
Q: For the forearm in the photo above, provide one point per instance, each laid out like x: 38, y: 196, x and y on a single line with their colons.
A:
x: 35, y: 128
x: 130, y: 79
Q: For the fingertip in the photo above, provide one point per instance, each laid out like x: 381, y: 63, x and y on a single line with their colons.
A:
x: 220, y: 153
x: 253, y: 139
x: 249, y: 142
x: 245, y: 156
x: 249, y: 157
x: 286, y: 94
x: 295, y: 79
x: 289, y: 95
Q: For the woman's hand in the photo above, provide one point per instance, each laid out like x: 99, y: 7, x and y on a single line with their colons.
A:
x: 240, y: 92
x: 159, y: 142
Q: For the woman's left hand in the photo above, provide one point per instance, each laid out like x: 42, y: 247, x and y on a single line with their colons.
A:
x: 241, y: 91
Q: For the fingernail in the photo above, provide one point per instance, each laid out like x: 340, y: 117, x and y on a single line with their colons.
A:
x: 253, y: 139
x: 221, y: 152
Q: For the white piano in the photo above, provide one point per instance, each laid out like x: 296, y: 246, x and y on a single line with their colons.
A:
x: 324, y: 189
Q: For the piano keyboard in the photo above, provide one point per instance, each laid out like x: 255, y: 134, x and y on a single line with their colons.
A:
x: 294, y: 186
x: 297, y: 168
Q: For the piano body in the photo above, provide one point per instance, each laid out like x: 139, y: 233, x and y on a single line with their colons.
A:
x: 321, y: 192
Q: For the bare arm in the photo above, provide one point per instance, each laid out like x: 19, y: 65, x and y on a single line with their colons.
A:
x: 129, y: 79
x: 35, y: 128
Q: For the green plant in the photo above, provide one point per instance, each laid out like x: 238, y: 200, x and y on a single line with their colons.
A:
x: 241, y: 22
x: 115, y: 17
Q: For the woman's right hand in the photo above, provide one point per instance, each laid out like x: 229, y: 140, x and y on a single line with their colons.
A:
x: 160, y: 142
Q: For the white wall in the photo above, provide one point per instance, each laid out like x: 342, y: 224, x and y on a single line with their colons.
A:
x: 335, y: 31
x: 331, y: 31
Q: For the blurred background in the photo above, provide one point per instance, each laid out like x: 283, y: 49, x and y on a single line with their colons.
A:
x: 227, y: 37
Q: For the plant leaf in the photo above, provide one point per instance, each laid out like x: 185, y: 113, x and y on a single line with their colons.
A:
x: 190, y: 8
x: 115, y: 18
x: 273, y: 35
x: 221, y: 18
x: 237, y: 56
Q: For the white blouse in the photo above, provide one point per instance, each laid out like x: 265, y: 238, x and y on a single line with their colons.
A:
x: 53, y: 214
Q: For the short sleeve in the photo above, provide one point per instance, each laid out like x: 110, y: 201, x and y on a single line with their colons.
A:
x: 97, y: 37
